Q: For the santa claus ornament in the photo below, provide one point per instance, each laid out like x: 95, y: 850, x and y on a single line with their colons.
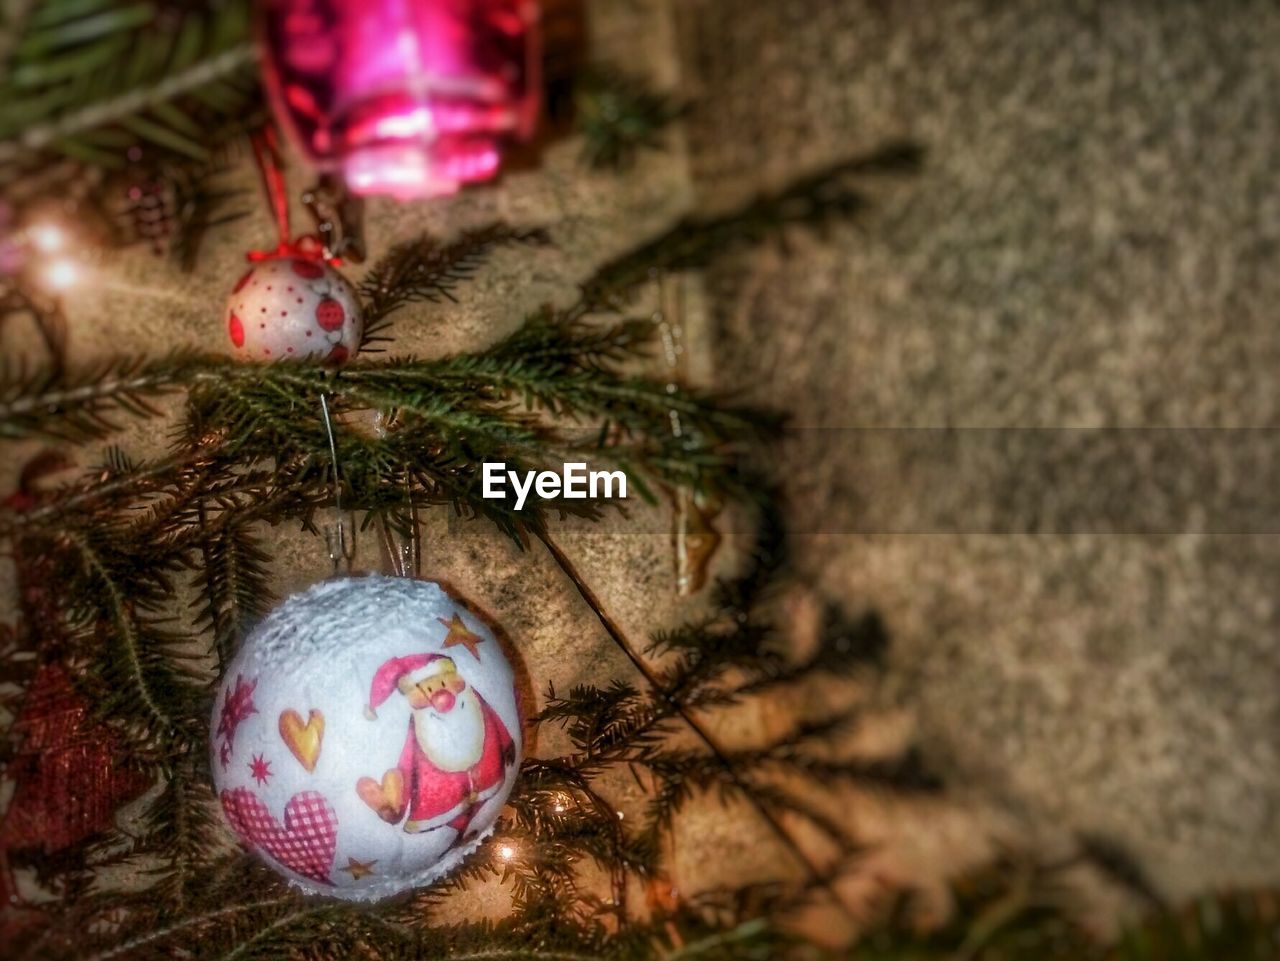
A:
x: 366, y: 737
x: 294, y: 306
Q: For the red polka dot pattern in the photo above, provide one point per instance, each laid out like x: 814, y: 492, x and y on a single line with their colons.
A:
x: 296, y: 308
x: 329, y: 314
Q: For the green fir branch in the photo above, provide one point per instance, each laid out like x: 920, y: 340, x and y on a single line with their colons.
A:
x: 233, y: 578
x: 618, y: 116
x: 423, y: 269
x: 251, y: 449
x: 49, y: 402
x: 137, y: 670
x: 87, y: 80
x: 817, y: 202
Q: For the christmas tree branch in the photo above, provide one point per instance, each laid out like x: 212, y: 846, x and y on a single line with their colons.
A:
x: 52, y: 403
x: 180, y: 837
x: 87, y: 81
x: 424, y: 270
x: 454, y: 411
x: 732, y: 940
x: 252, y: 447
x: 730, y: 771
x: 557, y: 818
x: 819, y: 200
x: 41, y: 136
x: 101, y: 491
x: 291, y: 918
x: 234, y: 581
x: 203, y: 919
x: 618, y: 116
x: 128, y: 655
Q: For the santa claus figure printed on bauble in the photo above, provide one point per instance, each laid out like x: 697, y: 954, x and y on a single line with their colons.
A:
x: 366, y: 736
x: 456, y: 751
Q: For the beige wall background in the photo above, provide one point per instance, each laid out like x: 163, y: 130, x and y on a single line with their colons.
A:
x: 1091, y: 244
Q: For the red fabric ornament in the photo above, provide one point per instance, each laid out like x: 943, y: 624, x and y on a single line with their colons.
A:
x: 303, y: 249
x: 8, y: 886
x: 68, y: 784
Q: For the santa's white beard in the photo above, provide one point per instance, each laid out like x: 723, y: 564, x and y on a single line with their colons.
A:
x: 452, y: 741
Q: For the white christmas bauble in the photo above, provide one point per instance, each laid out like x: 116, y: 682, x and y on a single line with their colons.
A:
x: 294, y: 307
x: 366, y: 736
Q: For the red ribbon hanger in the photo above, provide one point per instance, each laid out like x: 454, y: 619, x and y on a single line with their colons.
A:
x: 270, y: 163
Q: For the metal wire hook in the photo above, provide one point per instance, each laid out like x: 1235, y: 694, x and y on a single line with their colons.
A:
x: 335, y: 537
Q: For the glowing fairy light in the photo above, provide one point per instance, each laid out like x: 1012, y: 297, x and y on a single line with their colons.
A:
x: 61, y: 275
x: 46, y: 255
x: 506, y: 852
x: 47, y: 238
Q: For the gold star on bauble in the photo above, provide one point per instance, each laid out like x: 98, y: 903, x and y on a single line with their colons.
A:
x: 358, y: 869
x: 459, y: 636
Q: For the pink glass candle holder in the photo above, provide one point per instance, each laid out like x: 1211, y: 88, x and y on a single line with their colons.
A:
x: 411, y: 98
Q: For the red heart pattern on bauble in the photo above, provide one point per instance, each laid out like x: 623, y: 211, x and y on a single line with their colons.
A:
x: 304, y: 844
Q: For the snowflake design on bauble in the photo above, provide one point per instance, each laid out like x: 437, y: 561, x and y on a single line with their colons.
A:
x: 237, y: 706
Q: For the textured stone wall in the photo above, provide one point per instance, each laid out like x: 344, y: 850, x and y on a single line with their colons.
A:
x: 1085, y: 646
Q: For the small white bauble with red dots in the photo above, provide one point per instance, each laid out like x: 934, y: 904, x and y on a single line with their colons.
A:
x: 292, y: 307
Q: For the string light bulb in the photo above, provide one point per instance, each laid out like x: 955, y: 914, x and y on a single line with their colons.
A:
x: 61, y: 275
x: 47, y: 238
x: 506, y: 852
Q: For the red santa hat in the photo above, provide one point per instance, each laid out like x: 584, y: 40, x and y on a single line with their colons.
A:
x: 417, y: 667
